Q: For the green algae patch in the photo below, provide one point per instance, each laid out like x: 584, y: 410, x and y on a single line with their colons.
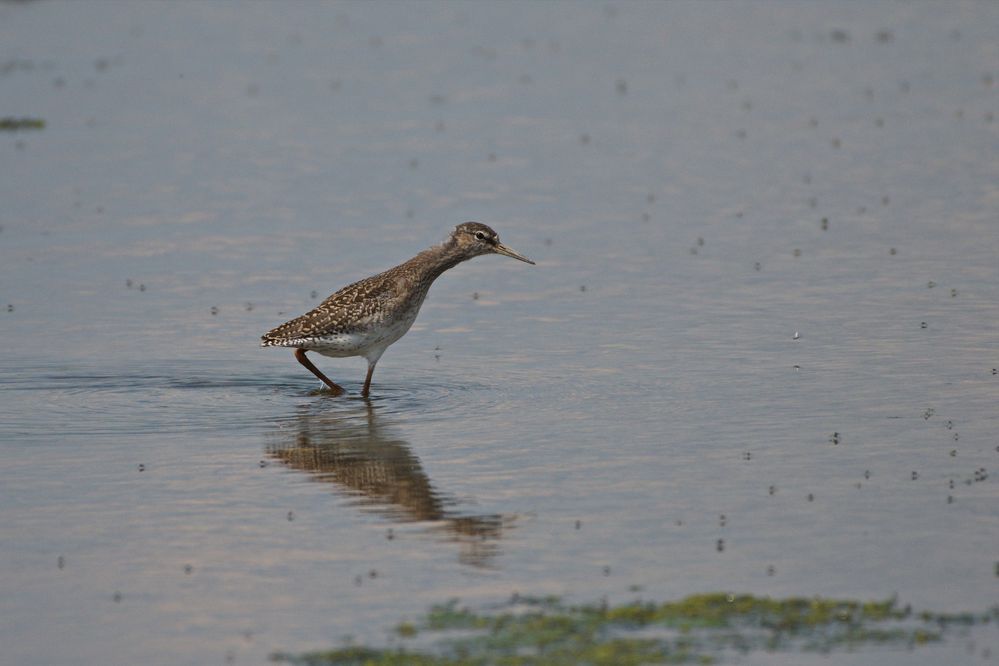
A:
x: 699, y: 629
x: 10, y: 124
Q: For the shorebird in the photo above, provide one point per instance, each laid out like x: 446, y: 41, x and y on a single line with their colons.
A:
x: 365, y: 317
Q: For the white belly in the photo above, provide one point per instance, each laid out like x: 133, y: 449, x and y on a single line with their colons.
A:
x: 369, y: 342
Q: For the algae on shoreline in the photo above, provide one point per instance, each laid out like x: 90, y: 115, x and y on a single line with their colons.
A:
x: 698, y: 629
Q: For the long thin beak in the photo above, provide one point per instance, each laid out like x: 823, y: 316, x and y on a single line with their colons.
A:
x: 499, y: 248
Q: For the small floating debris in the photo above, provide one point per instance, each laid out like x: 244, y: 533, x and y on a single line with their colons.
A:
x: 885, y: 36
x: 839, y: 36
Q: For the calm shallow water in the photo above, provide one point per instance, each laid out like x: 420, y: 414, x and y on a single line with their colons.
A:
x: 633, y: 411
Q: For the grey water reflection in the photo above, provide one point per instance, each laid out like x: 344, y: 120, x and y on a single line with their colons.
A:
x: 369, y: 462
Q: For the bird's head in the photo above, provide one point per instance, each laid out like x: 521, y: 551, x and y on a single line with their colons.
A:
x: 476, y: 238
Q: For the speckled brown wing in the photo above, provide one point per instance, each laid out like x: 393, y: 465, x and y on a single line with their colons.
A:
x: 351, y: 309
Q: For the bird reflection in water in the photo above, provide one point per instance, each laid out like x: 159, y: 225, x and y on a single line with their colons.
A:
x: 365, y: 461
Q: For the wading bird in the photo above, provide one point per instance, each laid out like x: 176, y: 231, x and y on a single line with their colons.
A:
x: 364, y: 318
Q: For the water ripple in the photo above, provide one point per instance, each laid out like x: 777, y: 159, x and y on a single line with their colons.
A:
x: 200, y: 397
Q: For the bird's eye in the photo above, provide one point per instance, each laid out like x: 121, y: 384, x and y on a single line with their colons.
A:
x: 480, y: 235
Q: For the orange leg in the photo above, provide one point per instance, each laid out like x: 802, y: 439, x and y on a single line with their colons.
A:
x: 336, y: 388
x: 367, y: 380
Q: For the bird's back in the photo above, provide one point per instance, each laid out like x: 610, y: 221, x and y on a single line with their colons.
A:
x: 381, y: 302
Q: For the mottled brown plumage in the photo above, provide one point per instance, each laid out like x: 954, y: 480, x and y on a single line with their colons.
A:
x: 364, y: 318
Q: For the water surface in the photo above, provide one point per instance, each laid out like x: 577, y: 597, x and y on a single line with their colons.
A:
x: 634, y: 416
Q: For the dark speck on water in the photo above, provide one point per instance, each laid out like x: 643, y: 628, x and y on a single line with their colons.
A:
x: 839, y: 36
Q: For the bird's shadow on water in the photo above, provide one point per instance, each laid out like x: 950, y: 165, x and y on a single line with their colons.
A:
x: 343, y: 441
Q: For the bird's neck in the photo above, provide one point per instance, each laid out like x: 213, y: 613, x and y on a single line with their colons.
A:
x: 433, y: 261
